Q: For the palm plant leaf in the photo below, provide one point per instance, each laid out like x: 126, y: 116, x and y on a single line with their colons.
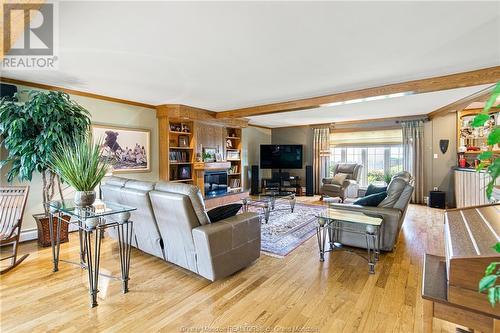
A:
x: 81, y: 163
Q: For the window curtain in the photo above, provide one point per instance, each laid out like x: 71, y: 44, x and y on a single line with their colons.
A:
x: 321, y: 156
x: 413, y: 156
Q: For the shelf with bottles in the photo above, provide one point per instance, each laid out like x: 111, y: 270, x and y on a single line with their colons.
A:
x: 473, y: 140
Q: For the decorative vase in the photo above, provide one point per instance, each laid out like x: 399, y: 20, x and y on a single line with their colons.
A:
x: 84, y: 198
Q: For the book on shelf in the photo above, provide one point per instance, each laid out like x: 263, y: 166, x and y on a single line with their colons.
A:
x: 233, y: 155
x: 233, y: 169
x: 235, y: 183
x: 179, y: 156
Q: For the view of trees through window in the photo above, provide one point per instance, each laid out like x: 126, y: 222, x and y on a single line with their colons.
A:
x: 379, y: 162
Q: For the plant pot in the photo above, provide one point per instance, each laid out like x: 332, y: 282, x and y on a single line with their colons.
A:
x: 84, y: 198
x: 43, y: 225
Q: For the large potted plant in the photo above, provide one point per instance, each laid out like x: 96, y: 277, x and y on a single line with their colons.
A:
x: 32, y: 125
x: 82, y: 165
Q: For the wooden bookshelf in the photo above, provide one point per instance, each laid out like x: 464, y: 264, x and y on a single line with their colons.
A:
x: 183, y: 137
x: 233, y: 155
x: 180, y: 157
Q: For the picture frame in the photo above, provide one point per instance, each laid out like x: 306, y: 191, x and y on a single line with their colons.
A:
x: 128, y: 148
x: 209, y: 154
x: 183, y: 141
x: 185, y: 172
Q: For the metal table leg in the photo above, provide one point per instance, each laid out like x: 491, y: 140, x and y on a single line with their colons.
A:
x: 371, y: 240
x: 321, y: 231
x: 93, y: 262
x: 55, y: 240
x: 124, y: 241
x: 292, y: 203
x: 267, y: 212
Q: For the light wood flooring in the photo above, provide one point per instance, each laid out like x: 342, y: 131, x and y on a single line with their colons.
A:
x: 294, y: 294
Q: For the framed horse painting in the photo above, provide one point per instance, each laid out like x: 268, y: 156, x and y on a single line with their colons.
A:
x: 128, y: 148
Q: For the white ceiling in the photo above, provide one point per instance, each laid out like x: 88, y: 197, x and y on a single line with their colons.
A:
x: 224, y: 55
x: 395, y: 107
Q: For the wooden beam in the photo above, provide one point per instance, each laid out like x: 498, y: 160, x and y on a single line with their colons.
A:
x: 180, y: 111
x: 453, y: 81
x: 75, y: 92
x: 462, y: 103
x: 19, y: 22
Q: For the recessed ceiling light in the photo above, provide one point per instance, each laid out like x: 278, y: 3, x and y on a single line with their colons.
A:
x: 369, y: 99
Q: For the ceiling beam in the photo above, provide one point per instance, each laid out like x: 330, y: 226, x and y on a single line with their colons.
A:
x: 462, y: 103
x: 181, y: 111
x: 438, y: 83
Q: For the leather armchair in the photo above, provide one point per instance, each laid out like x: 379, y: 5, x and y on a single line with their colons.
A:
x: 392, y: 211
x: 349, y: 188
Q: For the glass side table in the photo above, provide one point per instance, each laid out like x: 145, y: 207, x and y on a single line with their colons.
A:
x: 91, y: 222
x: 333, y: 221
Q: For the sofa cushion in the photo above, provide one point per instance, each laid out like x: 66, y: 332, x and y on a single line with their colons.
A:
x: 339, y: 178
x: 404, y: 198
x: 394, y: 190
x: 372, y: 200
x: 332, y: 187
x: 140, y: 185
x: 192, y: 192
x: 403, y: 174
x: 347, y: 168
x: 373, y: 189
x: 223, y: 212
x: 115, y: 181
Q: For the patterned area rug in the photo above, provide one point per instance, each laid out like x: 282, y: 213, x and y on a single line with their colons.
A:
x: 286, y: 230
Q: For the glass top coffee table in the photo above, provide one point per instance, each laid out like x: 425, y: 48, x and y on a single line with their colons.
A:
x: 91, y: 222
x: 267, y: 202
x: 333, y: 221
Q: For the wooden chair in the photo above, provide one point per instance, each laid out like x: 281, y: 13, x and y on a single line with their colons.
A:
x: 12, y: 203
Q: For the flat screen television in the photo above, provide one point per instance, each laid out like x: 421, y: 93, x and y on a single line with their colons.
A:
x: 281, y: 156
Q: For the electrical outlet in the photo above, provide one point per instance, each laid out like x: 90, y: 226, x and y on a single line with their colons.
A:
x: 426, y: 200
x: 435, y: 156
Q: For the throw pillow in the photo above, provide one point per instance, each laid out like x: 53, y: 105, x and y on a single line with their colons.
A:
x: 339, y: 178
x: 372, y: 189
x: 372, y: 200
x: 223, y: 212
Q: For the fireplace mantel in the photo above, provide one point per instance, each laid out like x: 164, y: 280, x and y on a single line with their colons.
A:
x: 212, y: 166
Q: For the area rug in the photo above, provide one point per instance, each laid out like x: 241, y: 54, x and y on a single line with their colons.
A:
x: 285, y: 230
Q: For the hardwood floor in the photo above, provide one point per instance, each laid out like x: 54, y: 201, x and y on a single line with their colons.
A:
x: 298, y: 291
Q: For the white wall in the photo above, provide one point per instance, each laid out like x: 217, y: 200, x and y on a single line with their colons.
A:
x: 107, y: 113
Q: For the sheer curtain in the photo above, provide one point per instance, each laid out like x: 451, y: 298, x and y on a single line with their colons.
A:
x: 413, y: 156
x: 321, y: 156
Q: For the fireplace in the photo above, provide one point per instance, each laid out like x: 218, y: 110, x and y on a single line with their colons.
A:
x: 215, y: 183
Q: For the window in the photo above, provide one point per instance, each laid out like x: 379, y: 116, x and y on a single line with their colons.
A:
x: 380, y: 153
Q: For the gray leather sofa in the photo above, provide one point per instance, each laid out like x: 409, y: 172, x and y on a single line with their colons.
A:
x: 392, y: 210
x: 349, y: 188
x: 171, y: 223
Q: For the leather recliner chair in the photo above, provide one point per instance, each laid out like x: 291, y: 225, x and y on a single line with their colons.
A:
x: 349, y: 188
x: 392, y: 210
x: 171, y: 223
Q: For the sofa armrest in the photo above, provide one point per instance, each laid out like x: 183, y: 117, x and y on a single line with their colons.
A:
x: 327, y: 181
x: 226, y: 246
x: 373, y: 211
